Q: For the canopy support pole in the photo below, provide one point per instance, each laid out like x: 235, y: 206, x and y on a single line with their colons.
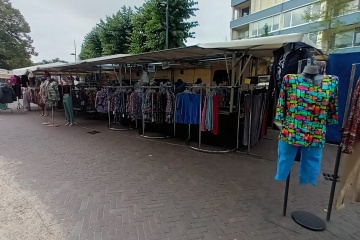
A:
x: 233, y: 76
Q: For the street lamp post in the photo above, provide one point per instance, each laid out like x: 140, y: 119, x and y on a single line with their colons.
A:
x: 75, y: 51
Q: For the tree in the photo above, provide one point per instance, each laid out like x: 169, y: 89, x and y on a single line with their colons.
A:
x: 91, y: 47
x: 55, y: 60
x: 266, y: 30
x: 15, y: 42
x: 115, y: 31
x: 328, y: 19
x: 149, y: 24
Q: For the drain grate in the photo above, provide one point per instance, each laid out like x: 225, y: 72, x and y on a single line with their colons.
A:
x: 93, y: 132
x: 330, y: 177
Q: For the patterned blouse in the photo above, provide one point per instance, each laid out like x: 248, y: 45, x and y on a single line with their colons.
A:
x: 305, y: 109
x: 352, y: 126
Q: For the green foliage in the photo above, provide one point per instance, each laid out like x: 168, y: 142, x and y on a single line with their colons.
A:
x: 141, y: 31
x: 328, y: 19
x: 110, y: 36
x: 91, y: 47
x: 149, y: 23
x: 55, y: 60
x: 266, y: 30
x: 15, y: 42
x: 115, y: 31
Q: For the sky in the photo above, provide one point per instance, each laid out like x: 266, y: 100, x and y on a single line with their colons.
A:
x: 55, y: 24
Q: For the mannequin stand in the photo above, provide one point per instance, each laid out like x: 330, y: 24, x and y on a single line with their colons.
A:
x: 46, y: 117
x: 52, y: 124
x: 19, y: 106
x: 304, y: 219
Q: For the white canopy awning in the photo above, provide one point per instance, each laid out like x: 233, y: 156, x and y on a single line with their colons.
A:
x: 23, y: 71
x: 258, y: 47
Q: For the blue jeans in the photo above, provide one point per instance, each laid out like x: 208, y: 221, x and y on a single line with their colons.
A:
x: 310, y: 163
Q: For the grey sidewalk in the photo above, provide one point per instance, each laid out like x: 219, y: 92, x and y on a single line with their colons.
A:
x: 116, y: 185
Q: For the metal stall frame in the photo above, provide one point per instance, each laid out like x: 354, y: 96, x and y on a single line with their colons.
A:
x: 199, y: 149
x: 109, y: 126
x: 143, y: 120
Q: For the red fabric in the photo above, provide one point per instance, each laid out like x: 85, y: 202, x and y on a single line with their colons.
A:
x: 215, y: 130
x: 352, y: 127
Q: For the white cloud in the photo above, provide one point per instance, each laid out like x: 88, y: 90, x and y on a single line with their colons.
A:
x: 56, y: 23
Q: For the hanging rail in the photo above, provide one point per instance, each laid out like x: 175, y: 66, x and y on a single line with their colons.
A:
x: 199, y: 149
x: 143, y: 119
x: 109, y: 126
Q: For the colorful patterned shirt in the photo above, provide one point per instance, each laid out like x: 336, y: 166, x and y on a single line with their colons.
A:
x: 304, y: 110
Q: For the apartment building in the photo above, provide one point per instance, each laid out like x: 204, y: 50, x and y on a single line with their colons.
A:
x: 286, y: 16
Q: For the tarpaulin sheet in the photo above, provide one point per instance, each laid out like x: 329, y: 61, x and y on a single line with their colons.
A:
x: 340, y: 65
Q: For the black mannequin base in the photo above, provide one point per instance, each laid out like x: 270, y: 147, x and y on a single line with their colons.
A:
x: 308, y: 221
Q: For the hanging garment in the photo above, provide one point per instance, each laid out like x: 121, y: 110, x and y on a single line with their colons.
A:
x: 310, y: 163
x: 52, y: 94
x: 7, y: 95
x: 170, y: 105
x: 89, y: 100
x: 256, y: 112
x: 209, y: 113
x: 134, y: 108
x: 351, y: 132
x: 305, y: 109
x: 203, y: 115
x: 188, y: 108
x: 216, y: 100
x: 26, y: 98
x: 350, y: 177
x: 24, y: 81
x: 101, y: 102
x: 298, y: 51
x: 68, y: 107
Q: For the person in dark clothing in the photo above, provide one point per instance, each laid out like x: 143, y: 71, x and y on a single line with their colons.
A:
x: 198, y: 81
x: 180, y: 86
x: 24, y: 81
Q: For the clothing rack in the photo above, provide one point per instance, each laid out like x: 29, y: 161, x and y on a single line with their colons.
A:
x: 252, y: 87
x: 199, y: 149
x: 109, y: 126
x: 338, y: 155
x: 143, y: 119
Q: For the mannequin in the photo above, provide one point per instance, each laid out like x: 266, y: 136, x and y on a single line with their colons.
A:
x: 68, y: 107
x: 307, y: 102
x: 42, y: 96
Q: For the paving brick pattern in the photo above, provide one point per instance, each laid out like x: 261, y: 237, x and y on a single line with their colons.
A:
x: 116, y: 185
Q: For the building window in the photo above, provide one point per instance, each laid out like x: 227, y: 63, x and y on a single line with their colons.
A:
x: 287, y: 20
x: 259, y: 5
x: 245, y: 11
x: 258, y: 28
x: 345, y: 39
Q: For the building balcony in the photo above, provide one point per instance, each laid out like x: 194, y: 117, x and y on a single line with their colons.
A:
x: 277, y: 9
x: 234, y: 3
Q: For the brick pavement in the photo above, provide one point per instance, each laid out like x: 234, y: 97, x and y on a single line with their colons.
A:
x: 116, y: 185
